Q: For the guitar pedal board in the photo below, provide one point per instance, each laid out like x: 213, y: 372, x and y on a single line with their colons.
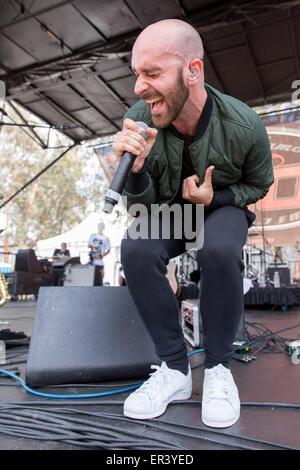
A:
x: 191, y: 322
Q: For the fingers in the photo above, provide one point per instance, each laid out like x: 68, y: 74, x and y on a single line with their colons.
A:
x: 131, y: 140
x: 199, y: 193
x: 132, y: 129
x: 127, y: 143
x: 131, y: 125
x: 152, y: 133
x: 208, y: 174
x: 193, y: 180
x: 189, y: 186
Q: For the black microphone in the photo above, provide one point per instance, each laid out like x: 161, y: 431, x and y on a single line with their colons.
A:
x: 121, y: 175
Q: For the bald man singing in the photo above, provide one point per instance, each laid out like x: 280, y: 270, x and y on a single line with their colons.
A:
x: 203, y: 149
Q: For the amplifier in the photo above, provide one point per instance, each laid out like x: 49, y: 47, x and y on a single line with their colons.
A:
x: 28, y: 283
x: 81, y: 275
x: 26, y: 261
x: 191, y: 322
x: 11, y: 280
x: 283, y: 271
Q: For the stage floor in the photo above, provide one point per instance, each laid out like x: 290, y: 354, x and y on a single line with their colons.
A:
x: 269, y: 391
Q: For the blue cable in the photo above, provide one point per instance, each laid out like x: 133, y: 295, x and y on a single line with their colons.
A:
x: 84, y: 395
x: 195, y: 352
x: 50, y: 395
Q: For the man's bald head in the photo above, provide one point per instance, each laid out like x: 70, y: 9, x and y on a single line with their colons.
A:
x: 167, y: 62
x: 172, y: 36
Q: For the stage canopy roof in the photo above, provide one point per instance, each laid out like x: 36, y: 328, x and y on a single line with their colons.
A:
x: 69, y: 61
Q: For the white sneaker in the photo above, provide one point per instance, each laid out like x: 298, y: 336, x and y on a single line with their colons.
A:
x: 220, y: 399
x: 163, y: 386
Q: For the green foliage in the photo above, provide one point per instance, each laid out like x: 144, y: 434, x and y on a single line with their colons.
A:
x: 59, y: 199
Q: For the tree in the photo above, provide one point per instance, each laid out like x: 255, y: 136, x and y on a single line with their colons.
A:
x: 59, y: 199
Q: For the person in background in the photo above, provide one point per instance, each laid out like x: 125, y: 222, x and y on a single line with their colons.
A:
x: 61, y: 252
x: 99, y: 245
x: 58, y: 271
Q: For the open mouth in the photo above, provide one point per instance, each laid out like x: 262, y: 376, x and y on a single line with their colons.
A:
x: 155, y: 104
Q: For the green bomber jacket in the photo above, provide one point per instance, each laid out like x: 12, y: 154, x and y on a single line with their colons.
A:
x: 235, y: 142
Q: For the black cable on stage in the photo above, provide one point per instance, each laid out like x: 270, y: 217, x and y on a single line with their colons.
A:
x: 267, y: 404
x: 227, y: 434
x: 15, y: 363
x: 200, y: 428
x: 25, y: 428
x: 39, y: 424
x: 46, y: 402
x: 87, y: 437
x: 101, y: 402
x: 156, y: 423
x: 266, y: 340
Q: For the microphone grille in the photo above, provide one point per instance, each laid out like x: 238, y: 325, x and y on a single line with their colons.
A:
x: 143, y: 126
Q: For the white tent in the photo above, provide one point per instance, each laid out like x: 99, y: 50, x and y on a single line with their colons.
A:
x: 77, y: 241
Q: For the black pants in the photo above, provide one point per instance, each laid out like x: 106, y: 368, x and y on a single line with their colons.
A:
x: 98, y: 277
x: 221, y: 304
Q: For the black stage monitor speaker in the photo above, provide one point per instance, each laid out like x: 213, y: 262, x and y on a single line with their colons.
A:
x: 284, y: 274
x: 26, y: 260
x: 87, y: 335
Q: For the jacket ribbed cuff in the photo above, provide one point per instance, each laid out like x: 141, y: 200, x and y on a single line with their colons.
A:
x: 137, y: 182
x: 221, y: 197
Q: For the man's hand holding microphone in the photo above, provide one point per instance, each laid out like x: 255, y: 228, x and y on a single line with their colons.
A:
x: 130, y: 139
x: 131, y: 146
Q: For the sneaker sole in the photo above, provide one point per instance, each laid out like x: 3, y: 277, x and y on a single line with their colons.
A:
x: 181, y: 395
x: 219, y: 424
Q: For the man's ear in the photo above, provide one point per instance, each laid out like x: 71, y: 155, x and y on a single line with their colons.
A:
x: 195, y: 70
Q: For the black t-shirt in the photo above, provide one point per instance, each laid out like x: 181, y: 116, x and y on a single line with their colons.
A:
x: 221, y: 197
x: 187, y: 168
x: 59, y: 252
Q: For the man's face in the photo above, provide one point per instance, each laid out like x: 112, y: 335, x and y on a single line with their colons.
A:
x: 160, y: 83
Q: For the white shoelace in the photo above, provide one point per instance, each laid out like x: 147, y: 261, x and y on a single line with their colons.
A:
x: 156, y: 380
x: 218, y: 385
